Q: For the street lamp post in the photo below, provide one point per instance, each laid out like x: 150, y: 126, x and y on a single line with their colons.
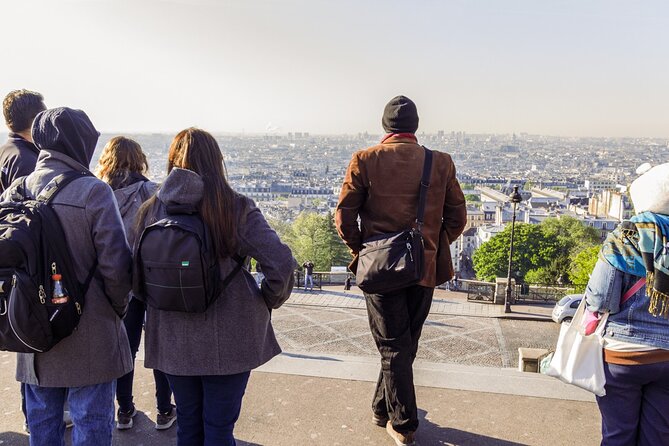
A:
x: 515, y: 198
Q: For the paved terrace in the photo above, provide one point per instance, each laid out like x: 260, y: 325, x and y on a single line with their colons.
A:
x: 318, y: 391
x: 444, y: 302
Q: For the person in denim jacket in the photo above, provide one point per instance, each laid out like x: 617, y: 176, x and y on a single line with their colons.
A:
x: 635, y: 409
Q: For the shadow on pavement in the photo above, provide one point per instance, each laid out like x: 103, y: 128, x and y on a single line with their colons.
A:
x: 13, y: 438
x: 350, y: 294
x: 301, y: 356
x: 430, y: 433
x: 441, y: 324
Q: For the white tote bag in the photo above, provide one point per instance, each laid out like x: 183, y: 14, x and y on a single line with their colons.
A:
x: 579, y: 359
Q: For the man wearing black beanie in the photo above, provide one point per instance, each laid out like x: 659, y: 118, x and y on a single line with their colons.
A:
x: 381, y: 188
x: 400, y: 116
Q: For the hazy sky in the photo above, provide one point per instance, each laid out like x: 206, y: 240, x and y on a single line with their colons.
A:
x: 577, y: 67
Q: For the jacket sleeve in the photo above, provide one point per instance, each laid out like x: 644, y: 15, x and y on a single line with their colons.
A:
x: 351, y: 198
x: 15, y: 168
x: 454, y: 217
x: 111, y: 246
x: 604, y: 290
x: 260, y: 241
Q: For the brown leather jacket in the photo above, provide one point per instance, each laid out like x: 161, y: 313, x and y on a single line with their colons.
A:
x: 381, y: 187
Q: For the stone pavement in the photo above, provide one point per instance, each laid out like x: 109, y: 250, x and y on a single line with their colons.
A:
x: 444, y: 302
x: 318, y: 391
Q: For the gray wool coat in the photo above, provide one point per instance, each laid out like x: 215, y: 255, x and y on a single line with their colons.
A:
x: 235, y: 334
x: 98, y: 350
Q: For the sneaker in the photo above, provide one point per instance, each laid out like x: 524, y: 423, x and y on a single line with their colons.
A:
x: 124, y: 419
x: 400, y: 438
x: 167, y: 419
x: 379, y: 420
x: 67, y: 419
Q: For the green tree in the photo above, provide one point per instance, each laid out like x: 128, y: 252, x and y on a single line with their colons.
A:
x: 281, y: 227
x: 532, y: 249
x: 572, y: 234
x: 314, y: 237
x: 544, y: 254
x: 582, y: 266
x: 330, y: 249
x: 572, y: 237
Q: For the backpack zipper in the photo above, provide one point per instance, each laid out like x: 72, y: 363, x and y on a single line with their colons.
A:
x: 12, y: 297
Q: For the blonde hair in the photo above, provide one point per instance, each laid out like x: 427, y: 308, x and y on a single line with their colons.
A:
x: 120, y: 157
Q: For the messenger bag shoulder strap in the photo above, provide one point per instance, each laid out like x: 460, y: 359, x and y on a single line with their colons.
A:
x: 424, y: 185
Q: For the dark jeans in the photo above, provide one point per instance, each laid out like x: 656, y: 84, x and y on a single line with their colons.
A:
x: 396, y: 321
x: 91, y: 408
x: 635, y: 410
x: 208, y: 408
x: 134, y: 321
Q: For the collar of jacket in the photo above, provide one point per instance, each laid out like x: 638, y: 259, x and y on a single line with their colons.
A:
x: 16, y: 138
x: 399, y: 137
x: 47, y: 157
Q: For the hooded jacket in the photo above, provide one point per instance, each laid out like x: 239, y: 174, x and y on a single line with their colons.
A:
x: 235, y: 334
x: 98, y: 350
x: 130, y: 197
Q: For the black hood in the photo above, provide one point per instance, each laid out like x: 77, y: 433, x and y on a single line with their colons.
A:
x: 67, y: 131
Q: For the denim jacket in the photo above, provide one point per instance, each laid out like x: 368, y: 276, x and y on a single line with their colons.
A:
x: 632, y: 322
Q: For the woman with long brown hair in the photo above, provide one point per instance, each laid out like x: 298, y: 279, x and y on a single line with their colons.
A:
x: 208, y: 356
x: 123, y: 166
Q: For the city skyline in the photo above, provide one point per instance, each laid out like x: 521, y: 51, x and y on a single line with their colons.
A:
x: 563, y: 68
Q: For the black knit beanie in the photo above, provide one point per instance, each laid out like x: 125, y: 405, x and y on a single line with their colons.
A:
x: 400, y: 116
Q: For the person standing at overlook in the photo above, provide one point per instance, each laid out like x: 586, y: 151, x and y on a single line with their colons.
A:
x: 630, y: 282
x: 208, y: 357
x: 123, y: 165
x: 18, y: 155
x: 82, y: 368
x: 381, y: 188
x: 308, y: 275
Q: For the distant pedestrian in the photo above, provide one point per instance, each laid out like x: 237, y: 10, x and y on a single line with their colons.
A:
x: 636, y: 336
x: 208, y: 356
x: 82, y: 368
x: 308, y: 275
x: 123, y: 166
x: 259, y: 275
x: 379, y: 196
x: 347, y: 282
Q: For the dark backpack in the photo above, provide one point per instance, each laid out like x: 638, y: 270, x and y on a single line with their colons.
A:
x: 32, y: 248
x: 175, y: 264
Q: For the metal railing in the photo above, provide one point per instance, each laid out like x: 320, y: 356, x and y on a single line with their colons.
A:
x: 479, y: 291
x: 534, y: 292
x: 323, y: 278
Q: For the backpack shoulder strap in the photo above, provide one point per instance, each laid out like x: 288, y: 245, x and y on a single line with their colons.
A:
x: 58, y: 183
x: 240, y: 262
x: 58, y: 243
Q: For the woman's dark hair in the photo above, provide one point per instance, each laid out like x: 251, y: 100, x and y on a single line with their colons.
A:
x: 197, y: 150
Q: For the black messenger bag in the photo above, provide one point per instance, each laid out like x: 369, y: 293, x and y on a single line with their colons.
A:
x: 390, y: 262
